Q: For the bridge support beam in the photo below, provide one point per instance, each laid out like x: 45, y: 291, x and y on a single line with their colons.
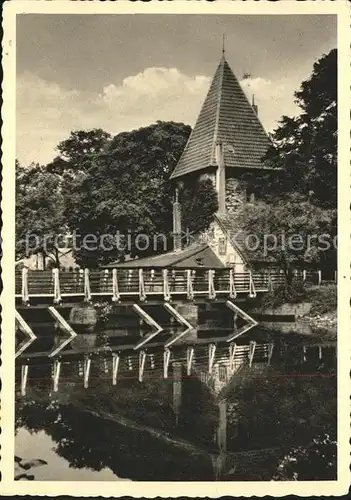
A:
x: 26, y: 329
x: 25, y: 294
x: 65, y: 327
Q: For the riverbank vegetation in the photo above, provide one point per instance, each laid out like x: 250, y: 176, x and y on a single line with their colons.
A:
x: 298, y: 195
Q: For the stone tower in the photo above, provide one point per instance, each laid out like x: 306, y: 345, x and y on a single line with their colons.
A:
x: 228, y: 140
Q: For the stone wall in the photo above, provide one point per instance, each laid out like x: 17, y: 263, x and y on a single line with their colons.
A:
x: 235, y: 193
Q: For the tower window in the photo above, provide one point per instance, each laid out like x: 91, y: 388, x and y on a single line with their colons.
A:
x: 222, y: 246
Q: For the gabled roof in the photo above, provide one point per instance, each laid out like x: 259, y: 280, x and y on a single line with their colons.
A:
x: 238, y: 238
x: 197, y: 254
x: 226, y: 116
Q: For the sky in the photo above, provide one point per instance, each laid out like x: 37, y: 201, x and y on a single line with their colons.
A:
x: 121, y: 72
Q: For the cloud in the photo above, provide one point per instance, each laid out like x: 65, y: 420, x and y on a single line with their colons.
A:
x: 47, y: 112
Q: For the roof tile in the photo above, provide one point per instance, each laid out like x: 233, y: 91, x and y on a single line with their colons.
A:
x: 226, y: 116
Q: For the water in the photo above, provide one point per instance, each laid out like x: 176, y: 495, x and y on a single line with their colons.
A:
x: 139, y: 430
x: 56, y: 468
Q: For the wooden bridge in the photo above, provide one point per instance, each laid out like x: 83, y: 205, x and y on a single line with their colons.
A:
x: 140, y: 285
x: 162, y: 335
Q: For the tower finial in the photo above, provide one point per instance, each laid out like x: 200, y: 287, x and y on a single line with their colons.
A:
x: 223, y: 44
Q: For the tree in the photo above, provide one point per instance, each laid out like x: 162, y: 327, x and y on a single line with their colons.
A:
x: 290, y: 232
x: 39, y: 212
x: 82, y: 146
x: 125, y: 191
x: 304, y: 147
x: 317, y: 461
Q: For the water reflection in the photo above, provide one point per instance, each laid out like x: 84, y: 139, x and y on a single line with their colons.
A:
x: 179, y: 428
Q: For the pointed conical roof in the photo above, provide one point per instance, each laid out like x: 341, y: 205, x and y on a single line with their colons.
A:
x: 226, y: 116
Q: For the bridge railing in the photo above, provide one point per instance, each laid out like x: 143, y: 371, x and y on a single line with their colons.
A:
x: 142, y: 283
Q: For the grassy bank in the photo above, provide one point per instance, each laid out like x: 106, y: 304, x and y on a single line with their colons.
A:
x: 322, y: 316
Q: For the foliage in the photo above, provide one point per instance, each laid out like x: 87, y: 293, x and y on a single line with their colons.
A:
x: 79, y: 150
x: 39, y: 212
x: 324, y: 299
x: 289, y: 231
x: 316, y: 461
x: 125, y: 190
x: 305, y: 146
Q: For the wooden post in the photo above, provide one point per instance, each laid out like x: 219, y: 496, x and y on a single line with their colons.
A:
x: 142, y: 357
x: 65, y: 327
x: 105, y: 285
x: 57, y: 369
x: 270, y: 353
x: 142, y: 295
x: 270, y: 281
x: 177, y: 389
x: 57, y: 292
x: 166, y: 359
x: 24, y: 377
x: 211, y: 356
x: 115, y: 290
x: 319, y: 277
x: 211, y: 286
x: 232, y: 291
x: 80, y: 369
x: 232, y: 351
x: 220, y: 177
x: 87, y: 363
x: 115, y: 365
x: 189, y: 285
x: 166, y: 291
x: 252, y: 291
x: 320, y: 352
x: 189, y: 360
x: 25, y: 294
x: 222, y: 426
x: 87, y: 292
x: 252, y: 352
